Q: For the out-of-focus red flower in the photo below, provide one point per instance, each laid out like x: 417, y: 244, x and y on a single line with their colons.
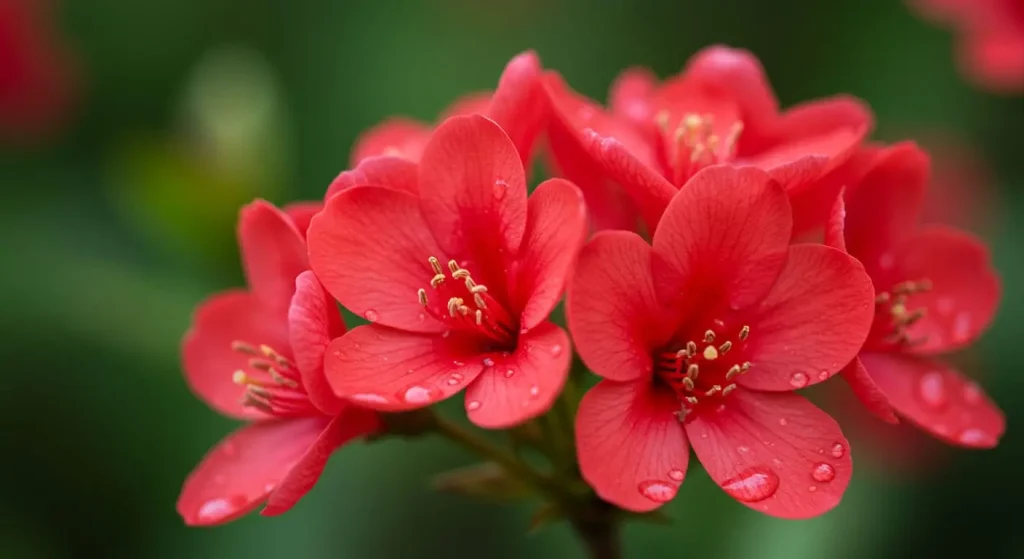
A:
x: 36, y: 77
x: 457, y: 271
x: 720, y: 109
x: 518, y: 105
x: 991, y: 41
x: 257, y: 355
x: 702, y: 337
x: 936, y: 293
x: 962, y: 191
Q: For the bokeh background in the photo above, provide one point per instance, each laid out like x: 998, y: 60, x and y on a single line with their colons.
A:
x: 117, y: 219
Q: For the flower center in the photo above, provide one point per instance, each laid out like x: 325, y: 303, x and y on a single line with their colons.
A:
x: 893, y: 315
x: 469, y: 307
x: 692, y: 144
x: 703, y: 373
x: 271, y: 382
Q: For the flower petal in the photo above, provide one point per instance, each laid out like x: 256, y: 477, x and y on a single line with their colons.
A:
x: 391, y: 370
x: 519, y: 105
x: 238, y: 474
x: 612, y: 310
x: 369, y: 247
x: 207, y: 355
x: 397, y: 136
x: 723, y: 236
x: 630, y: 96
x: 775, y: 453
x: 273, y: 254
x: 388, y: 171
x: 965, y: 289
x: 473, y: 195
x: 738, y: 72
x: 555, y: 229
x: 631, y: 446
x: 313, y: 321
x: 301, y: 213
x: 353, y: 422
x: 813, y: 321
x: 835, y: 227
x: 868, y: 392
x: 937, y: 398
x: 524, y: 384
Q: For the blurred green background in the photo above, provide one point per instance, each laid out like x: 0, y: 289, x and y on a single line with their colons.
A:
x: 116, y: 226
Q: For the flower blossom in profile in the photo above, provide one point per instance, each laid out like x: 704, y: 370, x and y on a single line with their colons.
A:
x: 257, y: 355
x: 990, y: 39
x: 457, y: 271
x: 936, y: 292
x: 655, y: 136
x: 701, y: 339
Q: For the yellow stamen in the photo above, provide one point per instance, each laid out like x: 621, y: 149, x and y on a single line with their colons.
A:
x: 710, y: 353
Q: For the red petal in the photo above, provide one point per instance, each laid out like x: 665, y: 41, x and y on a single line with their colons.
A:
x: 834, y: 230
x: 612, y: 310
x: 369, y: 247
x: 238, y: 474
x: 401, y: 137
x: 313, y: 321
x: 391, y: 370
x: 775, y: 453
x: 832, y: 128
x: 738, y: 72
x: 519, y: 105
x: 301, y: 213
x: 884, y: 207
x: 965, y: 293
x: 937, y: 398
x: 523, y: 385
x: 630, y: 97
x: 812, y: 323
x: 723, y: 236
x: 273, y: 254
x: 868, y: 392
x: 555, y: 229
x: 473, y: 196
x: 207, y: 357
x: 797, y: 164
x: 385, y: 170
x: 352, y: 423
x: 812, y: 203
x: 632, y: 449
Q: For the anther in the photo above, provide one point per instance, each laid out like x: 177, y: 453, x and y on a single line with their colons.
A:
x: 239, y: 377
x: 476, y: 288
x: 260, y: 365
x: 692, y: 399
x: 681, y: 354
x: 435, y: 265
x: 882, y: 298
x: 453, y: 266
x: 709, y: 336
x: 453, y: 306
x: 691, y: 349
x: 692, y: 371
x: 710, y: 353
x: 422, y: 294
x: 733, y: 371
x: 479, y: 317
x: 744, y: 332
x: 276, y: 377
x: 461, y: 274
x: 724, y: 348
x: 728, y: 389
x: 437, y: 280
x: 251, y: 401
x: 243, y: 347
x: 277, y: 357
x: 479, y: 300
x: 713, y: 390
x: 745, y: 367
x: 688, y: 383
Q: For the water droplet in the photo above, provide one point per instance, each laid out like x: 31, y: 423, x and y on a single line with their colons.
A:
x: 753, y: 485
x: 932, y: 389
x: 509, y: 373
x: 675, y: 474
x: 229, y: 449
x: 657, y: 491
x: 838, y: 450
x: 798, y: 380
x: 270, y: 487
x: 488, y: 362
x: 500, y: 187
x: 743, y: 449
x: 422, y: 317
x: 534, y: 391
x: 972, y: 393
x: 812, y: 488
x: 783, y: 422
x: 473, y: 406
x: 453, y: 381
x: 823, y: 472
x: 458, y: 363
x: 457, y: 376
x: 704, y: 435
x: 371, y: 315
x: 975, y: 437
x: 416, y: 394
x: 823, y: 375
x: 556, y: 350
x: 368, y: 398
x: 216, y: 509
x: 962, y: 327
x: 446, y: 333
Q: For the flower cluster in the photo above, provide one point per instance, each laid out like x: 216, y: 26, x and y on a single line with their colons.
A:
x: 717, y: 254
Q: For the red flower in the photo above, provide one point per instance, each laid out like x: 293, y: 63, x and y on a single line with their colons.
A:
x: 937, y: 292
x: 458, y: 272
x: 701, y: 337
x: 720, y: 109
x: 258, y: 355
x: 35, y: 71
x: 518, y: 105
x: 991, y: 41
